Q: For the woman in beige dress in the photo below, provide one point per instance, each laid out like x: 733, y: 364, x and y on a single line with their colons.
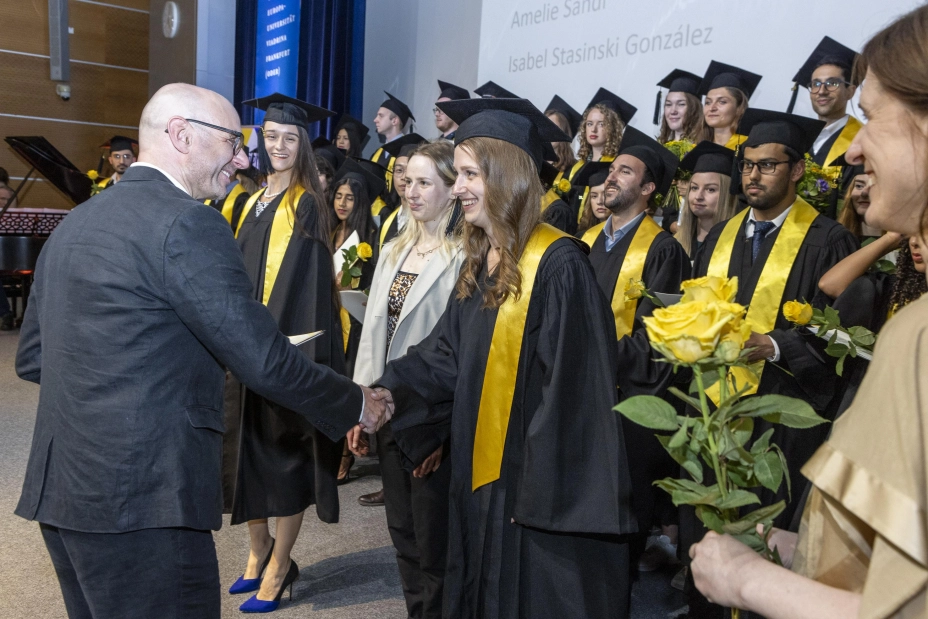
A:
x: 862, y: 548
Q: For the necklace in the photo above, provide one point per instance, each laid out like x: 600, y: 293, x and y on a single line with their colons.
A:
x: 422, y: 254
x: 265, y: 200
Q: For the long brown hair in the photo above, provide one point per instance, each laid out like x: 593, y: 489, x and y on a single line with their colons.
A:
x: 898, y: 56
x: 565, y: 153
x: 692, y: 121
x: 741, y: 100
x: 725, y: 209
x: 614, y: 126
x: 849, y: 217
x: 512, y: 192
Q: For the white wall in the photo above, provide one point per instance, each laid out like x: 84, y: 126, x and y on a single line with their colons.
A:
x: 409, y: 44
x: 216, y: 46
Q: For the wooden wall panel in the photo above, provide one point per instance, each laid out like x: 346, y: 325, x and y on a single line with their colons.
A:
x: 108, y: 96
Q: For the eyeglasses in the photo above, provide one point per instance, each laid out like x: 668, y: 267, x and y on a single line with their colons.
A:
x: 237, y: 140
x: 747, y: 166
x: 435, y: 110
x: 831, y: 84
x: 119, y: 157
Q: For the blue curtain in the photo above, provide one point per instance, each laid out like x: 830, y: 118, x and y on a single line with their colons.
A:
x: 331, y: 71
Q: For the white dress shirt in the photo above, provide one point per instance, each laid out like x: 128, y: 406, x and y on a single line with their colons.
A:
x: 829, y: 131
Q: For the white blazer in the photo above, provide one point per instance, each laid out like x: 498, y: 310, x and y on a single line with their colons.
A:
x: 424, y: 305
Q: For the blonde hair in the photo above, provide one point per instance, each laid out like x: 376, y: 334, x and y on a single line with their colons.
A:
x: 725, y: 209
x: 441, y: 153
x: 512, y: 194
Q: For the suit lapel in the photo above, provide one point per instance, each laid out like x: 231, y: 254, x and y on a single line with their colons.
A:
x: 424, y: 282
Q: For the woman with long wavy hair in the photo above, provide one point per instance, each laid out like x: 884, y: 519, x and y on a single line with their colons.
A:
x: 539, y: 487
x: 681, y: 114
x: 861, y: 549
x: 283, y: 464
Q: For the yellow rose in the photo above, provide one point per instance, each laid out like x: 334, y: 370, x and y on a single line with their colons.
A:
x: 365, y: 251
x: 563, y: 185
x: 688, y: 332
x: 92, y: 175
x: 709, y: 288
x: 797, y: 313
x: 633, y: 289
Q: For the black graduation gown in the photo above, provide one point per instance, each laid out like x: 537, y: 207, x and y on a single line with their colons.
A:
x: 367, y: 276
x: 843, y: 178
x: 665, y: 266
x: 285, y: 464
x: 561, y: 216
x: 801, y: 353
x: 564, y: 475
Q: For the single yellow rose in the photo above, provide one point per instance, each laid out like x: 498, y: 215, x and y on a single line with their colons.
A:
x: 563, y: 185
x: 709, y: 288
x: 634, y: 289
x: 688, y: 332
x: 365, y: 251
x: 797, y: 313
x: 92, y: 175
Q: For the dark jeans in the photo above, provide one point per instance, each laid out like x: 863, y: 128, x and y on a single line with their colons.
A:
x: 417, y: 518
x: 148, y: 574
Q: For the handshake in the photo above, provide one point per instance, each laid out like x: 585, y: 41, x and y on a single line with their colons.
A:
x: 378, y: 409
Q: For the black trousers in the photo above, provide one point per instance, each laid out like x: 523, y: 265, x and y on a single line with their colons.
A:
x: 417, y: 517
x: 147, y: 574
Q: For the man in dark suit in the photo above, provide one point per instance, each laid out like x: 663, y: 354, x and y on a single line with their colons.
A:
x: 140, y: 298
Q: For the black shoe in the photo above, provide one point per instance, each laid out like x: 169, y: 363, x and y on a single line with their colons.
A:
x: 374, y: 499
x: 6, y: 322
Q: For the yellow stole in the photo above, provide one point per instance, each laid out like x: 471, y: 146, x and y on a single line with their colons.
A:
x: 632, y: 268
x: 586, y: 190
x: 377, y: 206
x: 281, y: 231
x: 229, y: 203
x: 385, y: 226
x: 735, y: 141
x: 551, y: 196
x: 768, y: 295
x: 499, y: 381
x: 376, y: 159
x: 841, y: 145
x: 105, y: 182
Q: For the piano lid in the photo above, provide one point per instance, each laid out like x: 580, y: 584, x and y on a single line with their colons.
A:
x: 54, y: 166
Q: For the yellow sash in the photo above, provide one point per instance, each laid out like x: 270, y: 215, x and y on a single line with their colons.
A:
x: 551, y: 196
x: 376, y: 159
x: 768, y: 295
x: 841, y: 144
x: 281, y: 231
x: 377, y: 206
x: 229, y: 203
x: 586, y: 190
x: 385, y: 226
x: 345, y: 318
x: 106, y: 182
x: 632, y: 268
x: 499, y: 381
x: 735, y: 141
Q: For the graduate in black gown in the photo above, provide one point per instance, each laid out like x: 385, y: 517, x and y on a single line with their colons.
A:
x: 629, y: 245
x: 554, y: 210
x: 285, y: 465
x: 540, y: 487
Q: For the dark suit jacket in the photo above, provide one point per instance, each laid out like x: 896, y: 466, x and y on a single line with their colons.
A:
x: 140, y: 298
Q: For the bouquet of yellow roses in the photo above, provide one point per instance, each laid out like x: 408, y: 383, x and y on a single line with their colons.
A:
x: 351, y: 270
x: 706, y: 332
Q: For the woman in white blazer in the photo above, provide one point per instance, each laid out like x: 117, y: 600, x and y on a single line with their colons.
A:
x: 413, y: 281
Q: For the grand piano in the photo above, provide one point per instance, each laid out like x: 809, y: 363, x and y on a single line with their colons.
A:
x: 23, y: 231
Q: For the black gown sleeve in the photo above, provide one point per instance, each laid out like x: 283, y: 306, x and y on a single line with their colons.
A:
x: 666, y: 267
x: 560, y: 215
x: 574, y: 475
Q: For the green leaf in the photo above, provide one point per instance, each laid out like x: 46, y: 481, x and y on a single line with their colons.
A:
x: 689, y: 400
x: 836, y: 350
x: 785, y: 467
x: 790, y: 412
x: 355, y: 271
x: 741, y: 430
x: 749, y: 522
x: 753, y: 541
x: 831, y: 315
x: 710, y: 517
x: 738, y: 498
x: 761, y: 444
x: 769, y: 471
x: 679, y: 438
x: 692, y: 466
x: 649, y: 411
x: 839, y: 366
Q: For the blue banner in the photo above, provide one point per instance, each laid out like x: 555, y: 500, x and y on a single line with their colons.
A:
x: 278, y: 45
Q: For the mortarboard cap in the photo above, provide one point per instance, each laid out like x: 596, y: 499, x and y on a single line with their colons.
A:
x: 848, y: 172
x: 771, y: 127
x: 721, y: 75
x: 450, y: 91
x: 325, y: 149
x: 573, y: 116
x: 348, y: 120
x: 403, y: 145
x: 592, y: 174
x: 660, y: 161
x: 494, y: 90
x: 677, y: 80
x: 120, y: 142
x: 708, y: 157
x: 614, y: 102
x: 828, y: 51
x: 286, y: 110
x: 397, y: 107
x: 370, y: 177
x: 516, y: 121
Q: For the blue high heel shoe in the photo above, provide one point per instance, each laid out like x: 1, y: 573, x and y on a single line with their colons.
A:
x: 247, y: 585
x: 254, y: 605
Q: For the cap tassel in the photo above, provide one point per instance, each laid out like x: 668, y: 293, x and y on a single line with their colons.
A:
x: 792, y: 100
x: 657, y: 109
x: 264, y: 160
